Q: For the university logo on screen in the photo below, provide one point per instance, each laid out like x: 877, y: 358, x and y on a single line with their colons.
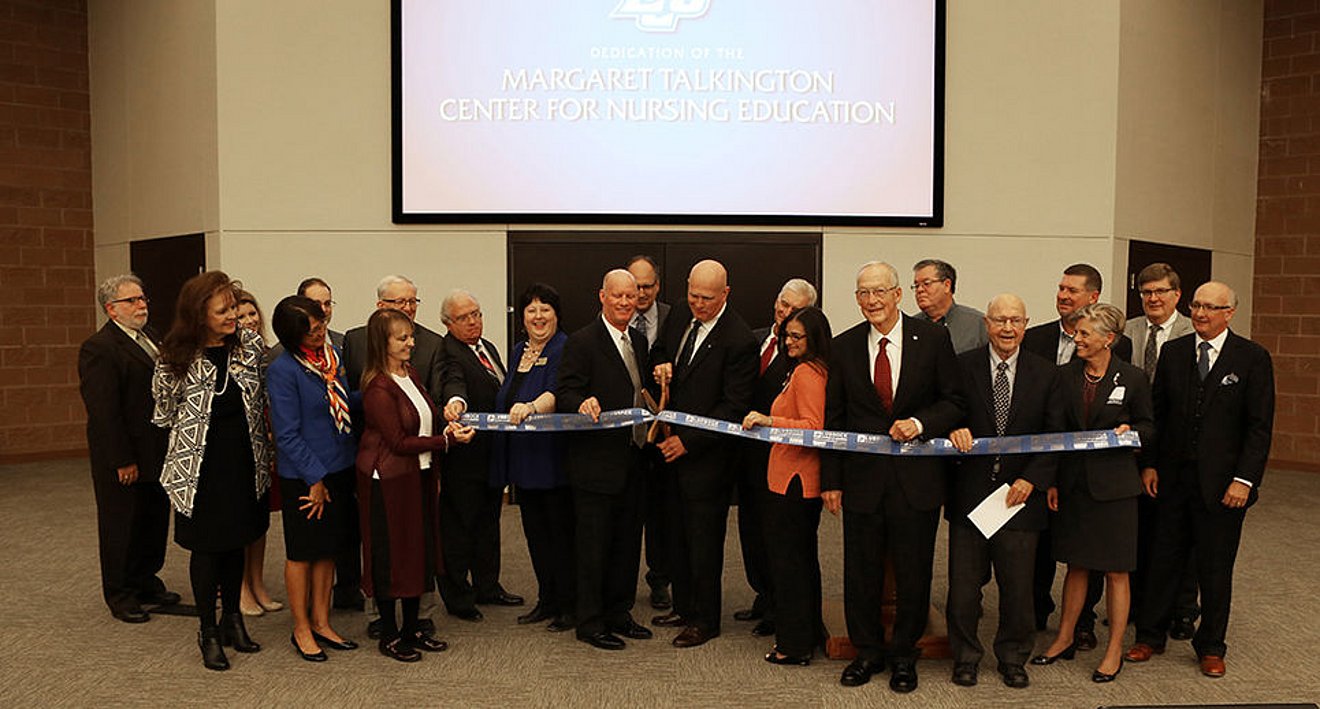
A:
x: 659, y: 15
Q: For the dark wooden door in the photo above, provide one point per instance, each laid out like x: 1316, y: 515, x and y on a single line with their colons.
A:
x: 1192, y: 265
x: 164, y: 265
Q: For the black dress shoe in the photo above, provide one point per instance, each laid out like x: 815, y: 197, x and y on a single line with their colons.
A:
x: 424, y: 641
x: 764, y: 628
x: 159, y: 598
x: 130, y: 615
x: 537, y: 614
x: 964, y: 674
x: 1101, y: 677
x: 398, y: 649
x: 1014, y: 676
x: 318, y: 656
x: 213, y: 654
x: 562, y: 623
x: 373, y: 629
x: 1183, y: 629
x: 775, y: 657
x: 669, y: 620
x: 333, y: 644
x: 859, y: 671
x: 1067, y: 653
x: 426, y: 625
x: 660, y: 598
x: 903, y: 677
x: 234, y: 634
x: 693, y: 636
x: 472, y: 615
x: 748, y: 614
x: 631, y: 629
x: 1085, y: 638
x: 604, y: 640
x: 501, y: 598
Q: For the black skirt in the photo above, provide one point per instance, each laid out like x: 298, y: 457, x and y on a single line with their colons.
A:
x: 1094, y: 534
x: 315, y: 539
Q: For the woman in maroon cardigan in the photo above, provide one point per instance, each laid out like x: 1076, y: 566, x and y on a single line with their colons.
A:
x: 397, y: 490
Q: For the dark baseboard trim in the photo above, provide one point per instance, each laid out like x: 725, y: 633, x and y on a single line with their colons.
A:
x: 41, y: 456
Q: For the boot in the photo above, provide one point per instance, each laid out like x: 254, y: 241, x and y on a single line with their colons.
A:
x: 213, y: 654
x: 234, y: 634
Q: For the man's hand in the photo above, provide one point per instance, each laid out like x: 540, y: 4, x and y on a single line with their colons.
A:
x: 663, y: 373
x: 454, y: 410
x: 1018, y: 492
x: 1150, y: 482
x: 903, y: 431
x: 1052, y: 497
x: 672, y: 448
x: 833, y: 500
x: 961, y: 439
x: 127, y: 474
x: 1236, y: 495
x: 591, y: 407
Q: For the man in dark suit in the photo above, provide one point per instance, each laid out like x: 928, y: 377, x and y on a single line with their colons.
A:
x: 1079, y: 286
x: 319, y: 291
x: 751, y: 481
x: 397, y: 293
x: 707, y: 357
x: 115, y: 367
x: 1008, y: 393
x: 898, y: 376
x: 469, y: 504
x: 649, y: 320
x: 602, y: 371
x: 1214, y: 408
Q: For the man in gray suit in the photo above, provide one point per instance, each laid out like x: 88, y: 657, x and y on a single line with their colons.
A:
x: 933, y: 285
x: 1160, y: 290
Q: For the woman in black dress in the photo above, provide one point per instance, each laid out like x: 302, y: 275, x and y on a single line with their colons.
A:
x: 209, y: 392
x: 1096, y: 496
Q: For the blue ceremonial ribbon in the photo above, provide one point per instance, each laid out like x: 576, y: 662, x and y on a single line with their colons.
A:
x: 872, y: 443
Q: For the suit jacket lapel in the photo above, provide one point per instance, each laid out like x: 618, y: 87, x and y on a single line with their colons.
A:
x: 607, y: 342
x: 1223, y: 365
x: 985, y: 387
x: 706, y: 345
x: 912, y: 351
x: 127, y: 344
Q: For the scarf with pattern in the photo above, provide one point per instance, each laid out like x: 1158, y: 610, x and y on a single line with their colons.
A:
x: 325, y: 364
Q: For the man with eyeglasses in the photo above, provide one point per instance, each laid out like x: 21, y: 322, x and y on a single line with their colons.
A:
x: 1008, y: 394
x: 1160, y: 289
x: 933, y: 284
x: 115, y: 366
x: 898, y: 376
x: 1214, y: 409
x: 319, y: 291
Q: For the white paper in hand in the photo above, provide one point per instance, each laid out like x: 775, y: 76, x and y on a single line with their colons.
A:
x: 993, y: 513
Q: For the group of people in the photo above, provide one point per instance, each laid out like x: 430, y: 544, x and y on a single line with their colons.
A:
x: 362, y: 438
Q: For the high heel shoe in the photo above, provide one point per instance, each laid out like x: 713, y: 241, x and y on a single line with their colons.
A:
x: 333, y: 644
x: 318, y: 656
x: 1100, y: 677
x: 1067, y: 653
x: 776, y: 657
x: 270, y: 606
x: 213, y: 653
x: 234, y: 634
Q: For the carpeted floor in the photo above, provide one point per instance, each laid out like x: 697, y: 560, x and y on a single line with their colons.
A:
x: 60, y: 647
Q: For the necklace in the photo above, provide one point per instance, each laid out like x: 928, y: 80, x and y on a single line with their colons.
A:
x: 225, y: 386
x: 1092, y: 379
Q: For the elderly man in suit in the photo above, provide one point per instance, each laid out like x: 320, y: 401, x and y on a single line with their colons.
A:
x: 649, y: 320
x: 1160, y: 289
x: 1214, y: 406
x: 894, y: 375
x: 114, y: 372
x: 1079, y: 286
x: 933, y: 284
x: 602, y: 370
x: 752, y: 491
x: 1008, y: 394
x: 707, y: 357
x: 469, y: 504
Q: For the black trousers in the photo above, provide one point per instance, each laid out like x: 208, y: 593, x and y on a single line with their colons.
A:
x: 213, y: 573
x: 348, y: 562
x: 908, y: 536
x: 1185, y: 606
x: 1187, y: 528
x: 696, y: 546
x: 609, y: 541
x: 1011, y: 553
x: 791, y: 523
x: 657, y: 519
x: 752, y: 500
x: 470, y: 534
x: 132, y: 525
x: 548, y: 522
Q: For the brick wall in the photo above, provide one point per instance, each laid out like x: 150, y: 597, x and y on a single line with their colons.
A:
x: 46, y: 272
x: 1287, y: 284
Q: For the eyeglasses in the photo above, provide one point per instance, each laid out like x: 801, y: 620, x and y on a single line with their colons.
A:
x: 927, y: 283
x: 1000, y: 322
x: 331, y: 303
x: 648, y: 286
x: 134, y: 300
x: 865, y: 293
x: 1154, y: 292
x: 414, y: 302
x: 794, y: 336
x: 1198, y: 305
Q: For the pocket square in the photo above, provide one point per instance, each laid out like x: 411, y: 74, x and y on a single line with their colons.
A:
x: 1229, y: 379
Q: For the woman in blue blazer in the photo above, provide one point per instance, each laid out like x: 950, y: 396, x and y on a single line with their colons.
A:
x: 315, y: 448
x: 531, y: 462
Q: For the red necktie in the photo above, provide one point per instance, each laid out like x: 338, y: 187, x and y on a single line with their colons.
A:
x: 485, y: 362
x: 883, y: 386
x: 769, y: 354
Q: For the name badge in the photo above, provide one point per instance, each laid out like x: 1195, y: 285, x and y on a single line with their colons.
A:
x: 1116, y: 396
